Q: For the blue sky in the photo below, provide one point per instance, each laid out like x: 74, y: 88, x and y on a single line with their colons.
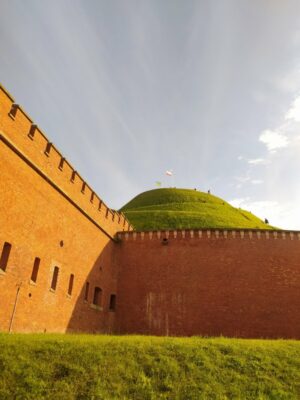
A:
x: 129, y: 89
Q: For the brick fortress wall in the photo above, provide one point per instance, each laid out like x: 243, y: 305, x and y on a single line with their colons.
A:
x: 240, y: 283
x: 209, y: 282
x: 50, y: 217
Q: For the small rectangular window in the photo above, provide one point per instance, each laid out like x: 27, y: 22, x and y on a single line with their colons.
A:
x: 97, y: 296
x: 54, y: 278
x: 5, y: 256
x: 86, y: 293
x: 35, y: 269
x: 71, y: 282
x: 112, y: 302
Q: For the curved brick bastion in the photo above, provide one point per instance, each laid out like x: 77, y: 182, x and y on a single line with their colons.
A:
x: 68, y: 263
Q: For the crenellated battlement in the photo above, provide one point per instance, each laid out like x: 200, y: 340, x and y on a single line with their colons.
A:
x: 64, y: 252
x: 199, y: 234
x: 27, y: 140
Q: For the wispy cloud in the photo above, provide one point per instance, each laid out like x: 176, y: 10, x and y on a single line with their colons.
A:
x: 239, y: 201
x: 131, y: 87
x: 263, y: 209
x: 282, y: 215
x: 258, y: 161
x: 294, y: 112
x: 285, y: 134
x: 273, y: 140
x: 242, y: 180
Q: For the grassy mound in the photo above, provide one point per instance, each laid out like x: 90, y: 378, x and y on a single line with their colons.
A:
x: 186, y: 209
x: 134, y: 367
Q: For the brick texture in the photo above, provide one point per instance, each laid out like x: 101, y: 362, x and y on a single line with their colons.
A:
x: 232, y: 283
x: 237, y: 283
x: 43, y: 214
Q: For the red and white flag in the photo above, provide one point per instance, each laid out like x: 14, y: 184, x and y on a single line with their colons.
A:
x: 169, y: 172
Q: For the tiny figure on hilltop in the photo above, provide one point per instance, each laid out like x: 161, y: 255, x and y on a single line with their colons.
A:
x: 266, y: 221
x: 208, y: 191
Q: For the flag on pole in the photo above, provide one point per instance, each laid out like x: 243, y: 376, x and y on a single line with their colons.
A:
x: 169, y: 172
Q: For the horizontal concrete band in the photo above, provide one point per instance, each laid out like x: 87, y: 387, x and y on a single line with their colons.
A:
x: 210, y: 233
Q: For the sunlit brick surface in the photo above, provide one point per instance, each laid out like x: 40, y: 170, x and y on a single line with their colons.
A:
x: 242, y: 283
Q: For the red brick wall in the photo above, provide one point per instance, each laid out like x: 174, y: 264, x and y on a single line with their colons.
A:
x: 219, y: 285
x: 43, y: 214
x: 16, y: 130
x: 240, y: 283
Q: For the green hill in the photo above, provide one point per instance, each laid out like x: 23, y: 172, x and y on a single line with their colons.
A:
x: 186, y: 209
x: 69, y: 367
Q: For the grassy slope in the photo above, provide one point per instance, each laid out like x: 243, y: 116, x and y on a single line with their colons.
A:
x: 135, y: 367
x: 184, y: 209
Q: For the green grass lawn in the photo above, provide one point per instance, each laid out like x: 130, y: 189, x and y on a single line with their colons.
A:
x: 66, y: 367
x: 186, y: 209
